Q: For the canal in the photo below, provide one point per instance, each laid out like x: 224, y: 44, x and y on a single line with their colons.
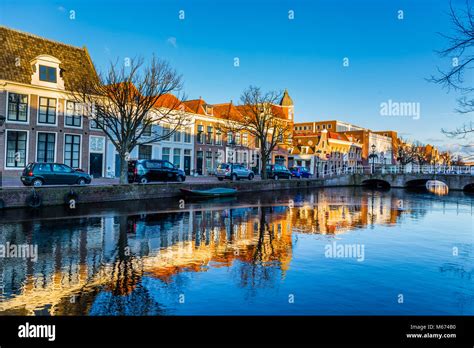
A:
x: 337, y: 251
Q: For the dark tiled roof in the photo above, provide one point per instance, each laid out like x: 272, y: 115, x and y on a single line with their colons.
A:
x: 75, y: 62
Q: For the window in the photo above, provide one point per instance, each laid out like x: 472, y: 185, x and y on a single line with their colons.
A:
x: 237, y: 139
x: 245, y: 139
x: 230, y: 138
x: 166, y: 131
x: 187, y: 135
x: 72, y: 150
x: 167, y: 164
x: 177, y: 157
x: 153, y: 165
x: 177, y: 136
x: 46, y: 147
x: 94, y: 123
x: 73, y: 114
x: 200, y: 132
x: 147, y: 131
x: 144, y: 152
x: 218, y: 137
x: 47, y: 110
x: 43, y: 167
x: 17, y: 107
x: 47, y: 74
x: 329, y: 126
x: 16, y: 149
x: 166, y: 154
x: 209, y: 135
x: 208, y: 161
x: 61, y: 168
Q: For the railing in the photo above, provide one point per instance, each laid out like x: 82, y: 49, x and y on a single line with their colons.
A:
x: 396, y: 169
x: 426, y: 169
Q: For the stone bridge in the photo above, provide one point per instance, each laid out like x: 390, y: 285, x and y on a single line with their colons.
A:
x: 455, y: 182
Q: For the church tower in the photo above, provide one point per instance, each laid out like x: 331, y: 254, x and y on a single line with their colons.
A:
x: 287, y: 105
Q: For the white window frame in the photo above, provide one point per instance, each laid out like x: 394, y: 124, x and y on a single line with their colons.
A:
x: 27, y: 122
x: 38, y: 123
x: 27, y: 149
x: 55, y: 145
x: 65, y: 115
x: 80, y: 149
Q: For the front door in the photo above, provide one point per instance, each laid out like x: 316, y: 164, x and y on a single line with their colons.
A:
x: 187, y: 165
x: 95, y: 165
x: 199, y: 162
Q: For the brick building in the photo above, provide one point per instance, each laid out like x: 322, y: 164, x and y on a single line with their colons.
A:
x: 40, y: 120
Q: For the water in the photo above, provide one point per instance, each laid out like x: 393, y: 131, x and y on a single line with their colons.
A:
x: 406, y: 253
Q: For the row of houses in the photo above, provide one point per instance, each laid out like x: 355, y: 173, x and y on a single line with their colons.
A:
x: 40, y: 121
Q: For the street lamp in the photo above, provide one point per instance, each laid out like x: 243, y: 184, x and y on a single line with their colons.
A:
x: 373, y: 156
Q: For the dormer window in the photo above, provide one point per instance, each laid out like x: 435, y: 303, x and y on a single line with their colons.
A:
x: 48, y: 74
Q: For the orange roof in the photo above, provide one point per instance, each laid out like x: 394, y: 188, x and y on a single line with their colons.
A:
x: 338, y: 136
x: 196, y: 106
x: 227, y: 111
x: 171, y: 102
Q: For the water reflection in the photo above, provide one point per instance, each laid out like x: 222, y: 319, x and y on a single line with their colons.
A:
x: 145, y: 262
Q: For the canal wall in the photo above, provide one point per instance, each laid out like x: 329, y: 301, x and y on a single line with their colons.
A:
x: 19, y: 197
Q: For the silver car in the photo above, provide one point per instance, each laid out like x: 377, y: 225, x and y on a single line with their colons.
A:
x: 233, y: 172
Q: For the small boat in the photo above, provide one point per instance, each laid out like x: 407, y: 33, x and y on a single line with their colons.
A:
x: 215, y: 192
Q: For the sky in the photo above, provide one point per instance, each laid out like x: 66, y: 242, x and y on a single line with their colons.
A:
x: 388, y: 58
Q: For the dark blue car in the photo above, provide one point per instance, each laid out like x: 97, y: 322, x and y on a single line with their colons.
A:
x: 300, y: 172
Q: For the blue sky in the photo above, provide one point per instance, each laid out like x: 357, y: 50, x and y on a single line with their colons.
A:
x: 388, y: 58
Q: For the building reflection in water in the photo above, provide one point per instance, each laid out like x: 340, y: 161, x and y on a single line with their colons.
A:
x: 80, y: 259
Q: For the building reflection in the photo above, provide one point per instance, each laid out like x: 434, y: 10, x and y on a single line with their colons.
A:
x: 82, y: 258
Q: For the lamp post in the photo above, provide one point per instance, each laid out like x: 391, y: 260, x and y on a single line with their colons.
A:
x: 373, y: 156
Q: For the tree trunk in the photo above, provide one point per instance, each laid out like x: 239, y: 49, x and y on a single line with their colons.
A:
x: 264, y: 157
x: 123, y: 169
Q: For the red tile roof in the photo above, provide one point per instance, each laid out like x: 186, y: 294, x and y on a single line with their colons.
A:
x: 170, y: 101
x: 196, y: 106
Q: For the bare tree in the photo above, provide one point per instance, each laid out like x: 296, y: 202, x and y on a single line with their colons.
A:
x: 130, y: 100
x: 460, y: 46
x: 406, y: 153
x: 261, y: 118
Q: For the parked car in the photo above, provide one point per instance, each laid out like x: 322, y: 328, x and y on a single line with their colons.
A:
x: 233, y: 172
x: 39, y: 174
x: 144, y: 171
x: 300, y: 172
x: 277, y: 171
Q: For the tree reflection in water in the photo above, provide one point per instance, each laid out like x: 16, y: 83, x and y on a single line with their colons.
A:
x: 138, y: 261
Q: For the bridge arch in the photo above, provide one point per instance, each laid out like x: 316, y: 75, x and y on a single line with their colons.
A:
x: 376, y: 183
x: 469, y: 188
x: 416, y: 183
